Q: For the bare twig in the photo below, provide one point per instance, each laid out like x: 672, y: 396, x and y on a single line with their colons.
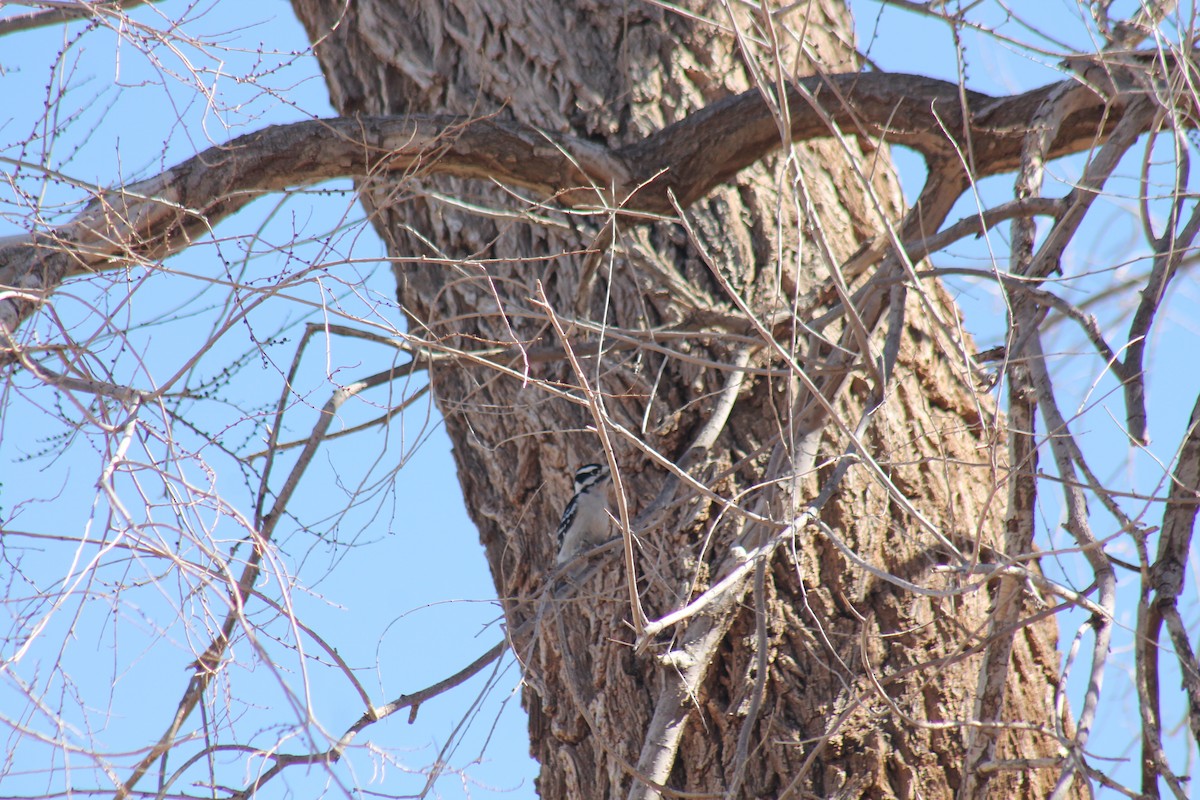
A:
x: 1174, y: 546
x: 410, y: 701
x: 67, y: 12
x: 208, y: 662
x: 600, y: 417
x: 1078, y: 525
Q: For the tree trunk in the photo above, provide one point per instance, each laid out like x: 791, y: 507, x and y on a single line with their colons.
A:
x: 803, y: 673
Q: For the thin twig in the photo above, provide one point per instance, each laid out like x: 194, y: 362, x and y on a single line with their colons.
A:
x: 601, y: 419
x: 410, y: 701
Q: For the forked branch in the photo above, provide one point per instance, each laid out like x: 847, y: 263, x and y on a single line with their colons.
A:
x: 151, y: 219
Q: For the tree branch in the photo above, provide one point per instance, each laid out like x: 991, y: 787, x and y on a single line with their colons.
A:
x: 66, y: 13
x: 151, y: 219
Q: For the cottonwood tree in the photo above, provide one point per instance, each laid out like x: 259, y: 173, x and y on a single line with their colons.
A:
x: 669, y: 238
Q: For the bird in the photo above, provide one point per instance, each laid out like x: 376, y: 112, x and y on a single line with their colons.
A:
x: 585, y: 520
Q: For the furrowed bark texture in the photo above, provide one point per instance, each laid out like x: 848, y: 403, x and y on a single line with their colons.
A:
x: 866, y: 685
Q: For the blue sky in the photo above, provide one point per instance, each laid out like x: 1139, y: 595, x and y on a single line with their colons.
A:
x: 389, y: 565
x: 405, y: 592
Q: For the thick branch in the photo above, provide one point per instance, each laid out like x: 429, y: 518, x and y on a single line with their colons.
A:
x: 153, y: 218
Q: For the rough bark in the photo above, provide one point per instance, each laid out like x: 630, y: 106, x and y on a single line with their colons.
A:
x: 810, y: 675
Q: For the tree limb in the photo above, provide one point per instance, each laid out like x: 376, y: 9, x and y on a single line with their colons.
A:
x: 151, y: 219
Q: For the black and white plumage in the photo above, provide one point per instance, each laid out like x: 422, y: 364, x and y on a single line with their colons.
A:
x: 585, y: 519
